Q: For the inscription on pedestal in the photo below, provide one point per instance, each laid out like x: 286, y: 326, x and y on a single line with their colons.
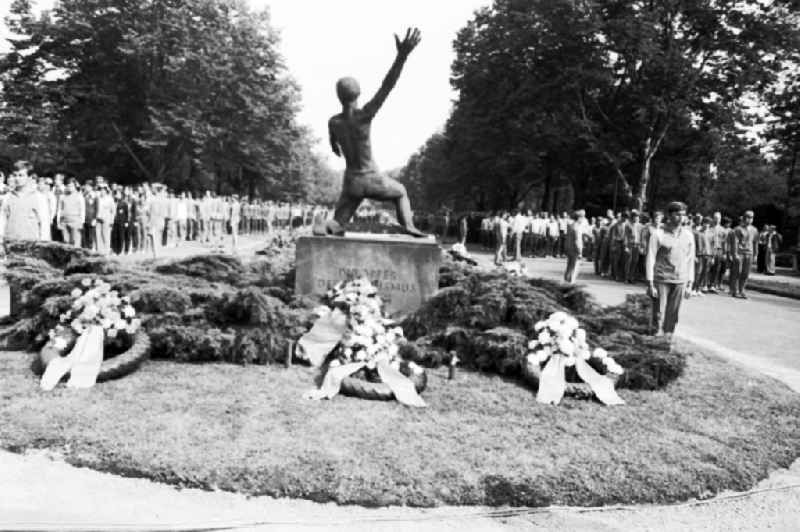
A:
x: 405, y: 270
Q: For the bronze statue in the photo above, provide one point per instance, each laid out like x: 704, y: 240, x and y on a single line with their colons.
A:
x: 350, y: 136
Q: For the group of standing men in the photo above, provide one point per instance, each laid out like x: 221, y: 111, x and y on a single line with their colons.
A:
x: 110, y: 218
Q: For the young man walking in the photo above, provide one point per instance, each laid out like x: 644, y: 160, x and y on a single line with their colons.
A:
x: 743, y: 244
x: 670, y: 268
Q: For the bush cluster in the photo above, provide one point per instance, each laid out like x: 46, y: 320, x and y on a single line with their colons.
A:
x: 217, y: 308
x: 486, y: 319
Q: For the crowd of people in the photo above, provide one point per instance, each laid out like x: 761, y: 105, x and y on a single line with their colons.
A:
x: 114, y: 219
x: 618, y: 244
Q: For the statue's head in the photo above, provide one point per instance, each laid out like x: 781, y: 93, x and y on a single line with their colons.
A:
x: 348, y: 90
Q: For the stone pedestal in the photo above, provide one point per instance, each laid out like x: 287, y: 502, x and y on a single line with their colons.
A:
x: 404, y: 269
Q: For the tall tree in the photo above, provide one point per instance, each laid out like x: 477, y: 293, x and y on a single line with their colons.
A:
x: 189, y: 92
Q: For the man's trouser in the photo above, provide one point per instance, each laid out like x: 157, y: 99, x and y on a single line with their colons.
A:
x: 631, y: 262
x: 702, y: 277
x: 666, y: 308
x: 571, y: 275
x: 615, y: 257
x: 102, y: 235
x: 740, y: 271
x: 518, y: 246
x: 88, y: 237
x: 71, y: 234
x: 500, y: 251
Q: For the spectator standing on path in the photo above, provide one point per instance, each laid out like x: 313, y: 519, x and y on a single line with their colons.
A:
x: 105, y: 211
x: 518, y: 224
x: 718, y: 237
x: 48, y: 199
x: 157, y: 213
x: 631, y: 242
x: 89, y: 241
x: 235, y: 216
x: 500, y: 233
x: 743, y: 244
x: 21, y: 213
x: 71, y: 214
x: 573, y: 245
x: 704, y: 250
x: 616, y: 235
x: 772, y: 243
x: 670, y: 268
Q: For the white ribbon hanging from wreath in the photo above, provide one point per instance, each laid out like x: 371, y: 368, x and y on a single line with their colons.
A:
x: 401, y: 386
x: 82, y: 363
x: 553, y: 384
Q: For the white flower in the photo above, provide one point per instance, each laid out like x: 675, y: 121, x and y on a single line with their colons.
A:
x: 393, y: 350
x: 120, y: 324
x: 335, y: 363
x: 60, y: 343
x: 569, y: 361
x: 90, y: 312
x: 580, y: 335
x: 416, y: 369
x: 76, y: 293
x: 613, y: 367
x: 532, y: 344
x: 77, y: 326
x: 87, y: 282
x: 136, y: 323
x: 599, y: 352
x: 111, y: 333
x: 566, y: 347
x: 63, y: 318
x: 320, y: 311
x: 558, y: 316
x: 544, y: 337
x: 571, y: 323
x: 540, y: 325
x: 106, y: 323
x: 128, y: 311
x: 583, y: 354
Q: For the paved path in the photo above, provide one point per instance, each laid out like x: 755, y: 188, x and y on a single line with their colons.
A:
x: 39, y: 492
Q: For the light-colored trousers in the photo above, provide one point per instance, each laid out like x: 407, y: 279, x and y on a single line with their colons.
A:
x: 665, y: 310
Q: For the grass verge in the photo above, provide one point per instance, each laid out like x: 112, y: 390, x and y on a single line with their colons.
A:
x: 483, y: 439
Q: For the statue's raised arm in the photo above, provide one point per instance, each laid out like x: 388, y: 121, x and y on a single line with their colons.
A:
x: 404, y: 48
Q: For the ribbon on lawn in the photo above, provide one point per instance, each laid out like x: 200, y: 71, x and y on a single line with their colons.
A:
x: 82, y: 363
x: 552, y: 382
x: 401, y: 386
x: 323, y: 336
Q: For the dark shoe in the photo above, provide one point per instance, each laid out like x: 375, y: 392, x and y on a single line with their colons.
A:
x: 743, y: 296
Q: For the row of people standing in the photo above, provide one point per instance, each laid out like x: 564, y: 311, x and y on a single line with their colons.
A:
x: 123, y: 219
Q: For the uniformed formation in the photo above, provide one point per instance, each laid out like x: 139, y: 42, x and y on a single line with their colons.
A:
x: 618, y: 244
x: 110, y: 218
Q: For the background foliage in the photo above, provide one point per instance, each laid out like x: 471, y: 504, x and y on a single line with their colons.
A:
x: 192, y: 93
x: 620, y: 102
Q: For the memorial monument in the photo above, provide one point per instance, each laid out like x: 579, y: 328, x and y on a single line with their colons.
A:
x: 404, y: 268
x: 350, y: 137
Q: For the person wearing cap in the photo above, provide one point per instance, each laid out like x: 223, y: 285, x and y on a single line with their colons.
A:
x: 71, y: 214
x: 743, y: 247
x: 670, y: 268
x: 631, y: 246
x: 573, y: 244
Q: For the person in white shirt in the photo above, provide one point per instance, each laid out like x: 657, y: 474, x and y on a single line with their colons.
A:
x: 518, y: 224
x: 573, y: 245
x: 105, y: 209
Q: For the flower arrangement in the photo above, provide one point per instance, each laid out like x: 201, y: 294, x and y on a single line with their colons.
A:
x: 369, y: 338
x: 560, y: 334
x: 95, y: 304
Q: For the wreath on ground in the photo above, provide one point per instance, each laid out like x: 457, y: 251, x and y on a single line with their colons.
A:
x: 360, y: 348
x: 94, y: 308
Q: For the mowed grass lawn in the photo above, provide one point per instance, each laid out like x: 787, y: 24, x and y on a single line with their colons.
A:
x: 483, y: 439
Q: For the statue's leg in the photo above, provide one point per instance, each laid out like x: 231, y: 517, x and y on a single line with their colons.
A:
x: 386, y: 189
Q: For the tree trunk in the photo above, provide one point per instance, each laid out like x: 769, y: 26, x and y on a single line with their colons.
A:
x: 641, y: 198
x: 548, y: 188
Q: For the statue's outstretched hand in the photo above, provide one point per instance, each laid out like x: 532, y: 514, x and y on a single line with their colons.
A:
x: 409, y: 42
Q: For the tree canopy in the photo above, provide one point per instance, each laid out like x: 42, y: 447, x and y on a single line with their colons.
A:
x: 192, y: 93
x: 620, y: 102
